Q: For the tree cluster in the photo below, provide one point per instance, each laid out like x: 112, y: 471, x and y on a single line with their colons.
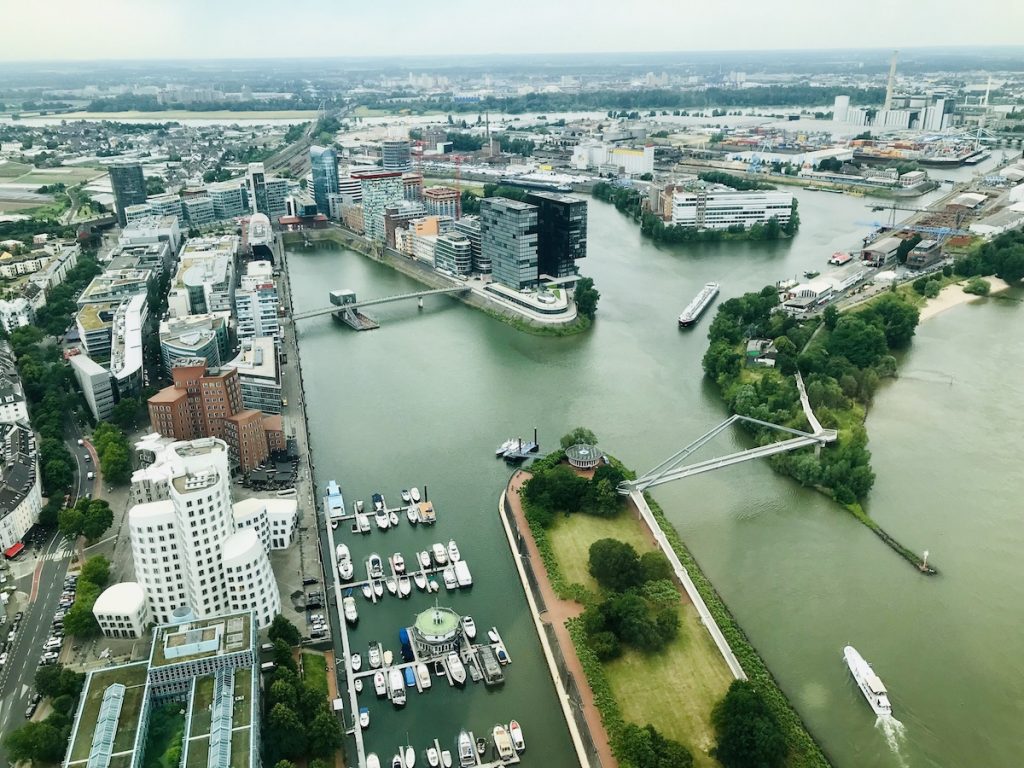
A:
x: 749, y: 735
x: 641, y: 606
x: 297, y: 721
x: 1003, y: 256
x: 114, y: 451
x: 45, y: 741
x: 560, y: 490
x: 586, y: 297
x: 731, y: 180
x: 645, y: 747
x: 80, y: 621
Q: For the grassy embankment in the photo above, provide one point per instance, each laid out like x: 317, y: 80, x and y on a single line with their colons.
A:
x: 184, y: 114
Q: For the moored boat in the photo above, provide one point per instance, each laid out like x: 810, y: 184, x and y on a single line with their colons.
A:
x: 382, y: 519
x: 870, y: 685
x: 501, y: 653
x: 466, y: 754
x: 453, y: 551
x: 412, y: 515
x: 446, y: 758
x: 440, y: 553
x: 364, y: 718
x: 414, y: 494
x: 388, y: 658
x: 405, y: 496
x: 367, y: 591
x: 396, y: 761
x: 421, y: 580
x: 372, y: 761
x: 505, y: 447
x: 456, y: 668
x: 502, y: 742
x: 396, y: 685
x: 346, y: 570
x: 481, y: 745
x: 462, y: 574
x: 410, y: 677
x: 404, y: 586
x: 515, y: 732
x: 450, y: 582
x: 424, y: 558
x: 364, y: 522
x: 392, y: 584
x: 373, y: 655
x: 398, y: 562
x: 355, y: 662
x: 380, y: 683
x: 433, y: 759
x: 378, y: 502
x: 375, y: 566
x: 423, y: 675
x: 410, y: 757
x: 469, y: 627
x: 493, y: 636
x: 349, y: 609
x: 393, y: 517
x: 378, y: 588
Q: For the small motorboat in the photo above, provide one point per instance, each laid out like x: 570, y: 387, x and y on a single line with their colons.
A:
x: 345, y: 570
x: 493, y: 636
x: 359, y: 506
x: 393, y: 517
x: 424, y: 558
x: 375, y: 566
x: 372, y: 761
x: 334, y: 525
x: 501, y: 653
x: 410, y: 677
x: 420, y: 579
x: 383, y: 521
x: 388, y: 658
x: 364, y: 717
x: 439, y: 668
x: 516, y: 734
x: 423, y: 675
x: 380, y: 683
x: 378, y: 502
x: 440, y: 553
x: 367, y: 591
x: 378, y: 588
x: 414, y: 494
x: 503, y: 743
x: 434, y: 586
x: 396, y: 761
x: 358, y: 685
x: 467, y: 756
x: 398, y: 562
x: 450, y: 582
x: 349, y: 608
x: 469, y: 627
x: 405, y: 496
x: 373, y: 655
x: 392, y: 585
x: 453, y: 551
x: 356, y: 662
x: 456, y: 668
x: 364, y: 523
x: 481, y: 745
x: 404, y: 586
x: 410, y: 757
x: 397, y: 685
x: 413, y: 514
x: 446, y: 759
x: 433, y: 759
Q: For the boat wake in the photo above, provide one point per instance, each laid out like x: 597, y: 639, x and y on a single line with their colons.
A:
x: 894, y: 733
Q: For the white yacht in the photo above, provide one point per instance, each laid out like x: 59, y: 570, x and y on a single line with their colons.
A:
x: 453, y: 551
x: 414, y: 494
x: 870, y: 685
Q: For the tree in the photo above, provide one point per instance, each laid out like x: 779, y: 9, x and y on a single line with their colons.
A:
x: 126, y: 413
x: 56, y: 680
x: 646, y: 748
x: 283, y: 654
x: 615, y: 565
x: 39, y: 742
x: 96, y: 571
x: 116, y: 465
x: 577, y: 436
x: 858, y: 341
x: 586, y: 296
x: 749, y: 736
x: 655, y: 566
x: 605, y: 644
x: 282, y: 629
x: 904, y: 248
x: 830, y: 317
x: 89, y: 517
x: 897, y: 318
x: 325, y: 734
x: 285, y: 733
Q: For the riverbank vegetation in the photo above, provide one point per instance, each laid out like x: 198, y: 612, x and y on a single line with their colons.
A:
x: 1003, y: 256
x: 647, y: 657
x: 629, y: 201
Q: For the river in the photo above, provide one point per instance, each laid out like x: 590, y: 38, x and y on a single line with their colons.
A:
x: 425, y: 399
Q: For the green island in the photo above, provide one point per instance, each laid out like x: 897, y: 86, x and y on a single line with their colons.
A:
x: 665, y: 694
x: 629, y: 201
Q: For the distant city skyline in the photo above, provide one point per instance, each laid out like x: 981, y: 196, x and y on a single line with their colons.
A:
x: 191, y: 29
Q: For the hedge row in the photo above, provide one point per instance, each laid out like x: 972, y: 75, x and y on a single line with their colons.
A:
x: 804, y: 752
x: 604, y: 699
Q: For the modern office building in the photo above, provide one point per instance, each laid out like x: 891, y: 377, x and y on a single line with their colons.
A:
x: 116, y: 285
x: 129, y: 187
x: 199, y: 211
x: 274, y: 520
x: 121, y: 611
x: 442, y: 201
x: 561, y: 232
x: 230, y: 199
x: 150, y: 230
x: 324, y: 161
x: 267, y: 194
x: 204, y: 336
x: 379, y: 190
x: 469, y: 226
x: 399, y: 215
x: 396, y: 155
x: 256, y: 311
x: 716, y: 207
x: 97, y: 387
x: 205, y: 280
x: 167, y: 204
x: 126, y: 354
x: 95, y: 323
x: 186, y: 546
x: 259, y: 374
x: 21, y: 497
x: 840, y: 108
x: 508, y: 239
x: 453, y: 254
x: 412, y: 186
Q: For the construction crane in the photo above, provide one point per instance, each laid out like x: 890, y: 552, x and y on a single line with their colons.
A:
x: 938, y: 233
x: 960, y: 215
x: 890, y: 87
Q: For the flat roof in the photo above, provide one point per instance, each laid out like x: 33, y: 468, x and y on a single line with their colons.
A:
x: 89, y: 316
x: 235, y: 636
x: 133, y: 678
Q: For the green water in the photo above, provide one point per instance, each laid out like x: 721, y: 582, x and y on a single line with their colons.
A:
x: 424, y: 400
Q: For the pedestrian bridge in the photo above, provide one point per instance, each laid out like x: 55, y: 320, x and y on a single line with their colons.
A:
x: 345, y: 301
x: 673, y: 468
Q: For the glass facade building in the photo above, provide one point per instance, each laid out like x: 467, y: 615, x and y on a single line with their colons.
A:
x: 324, y: 162
x: 561, y: 232
x: 508, y: 238
x: 129, y: 187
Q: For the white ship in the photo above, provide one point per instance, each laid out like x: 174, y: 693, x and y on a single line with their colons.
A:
x: 868, y: 681
x: 696, y: 307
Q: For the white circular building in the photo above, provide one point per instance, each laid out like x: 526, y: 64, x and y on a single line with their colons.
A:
x: 250, y: 579
x: 121, y: 610
x: 582, y: 456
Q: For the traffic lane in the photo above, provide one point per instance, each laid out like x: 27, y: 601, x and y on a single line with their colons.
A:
x: 17, y: 679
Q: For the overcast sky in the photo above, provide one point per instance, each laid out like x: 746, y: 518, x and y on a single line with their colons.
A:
x: 134, y: 29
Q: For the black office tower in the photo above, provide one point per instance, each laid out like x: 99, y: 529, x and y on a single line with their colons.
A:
x: 129, y: 186
x: 561, y: 232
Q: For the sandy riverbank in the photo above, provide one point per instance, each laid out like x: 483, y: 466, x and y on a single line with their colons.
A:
x: 953, y: 296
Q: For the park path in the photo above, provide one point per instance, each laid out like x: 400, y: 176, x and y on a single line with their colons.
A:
x: 557, y: 612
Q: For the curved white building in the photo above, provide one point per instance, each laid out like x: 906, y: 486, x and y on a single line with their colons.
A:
x: 250, y: 580
x: 121, y: 610
x: 274, y: 520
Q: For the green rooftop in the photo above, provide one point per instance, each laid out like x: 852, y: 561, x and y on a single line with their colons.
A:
x: 437, y: 622
x: 133, y: 678
x: 241, y: 721
x: 209, y: 637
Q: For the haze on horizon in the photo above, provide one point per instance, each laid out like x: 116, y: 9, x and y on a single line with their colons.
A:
x: 228, y: 29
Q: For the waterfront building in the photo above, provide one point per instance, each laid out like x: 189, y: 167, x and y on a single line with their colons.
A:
x: 399, y: 215
x: 924, y: 254
x: 469, y: 226
x: 129, y: 187
x: 436, y: 632
x: 442, y: 201
x: 256, y: 311
x: 324, y: 161
x: 273, y: 519
x: 186, y: 547
x: 379, y: 190
x: 396, y: 155
x: 257, y: 273
x: 717, y: 207
x: 583, y: 456
x: 230, y: 199
x: 20, y: 490
x: 150, y: 230
x: 121, y: 611
x: 561, y: 232
x: 453, y: 254
x: 259, y: 373
x: 840, y: 108
x: 199, y: 211
x: 205, y: 280
x: 613, y: 159
x: 351, y: 189
x: 508, y: 239
x: 204, y: 336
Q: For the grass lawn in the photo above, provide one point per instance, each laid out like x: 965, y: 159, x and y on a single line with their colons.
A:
x: 184, y: 114
x: 11, y: 169
x: 362, y: 111
x: 18, y: 206
x: 69, y: 176
x: 314, y: 671
x: 572, y: 536
x: 674, y: 690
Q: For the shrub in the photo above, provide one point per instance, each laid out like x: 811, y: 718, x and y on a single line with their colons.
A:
x: 978, y: 286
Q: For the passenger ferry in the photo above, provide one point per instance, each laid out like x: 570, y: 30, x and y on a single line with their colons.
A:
x: 870, y: 685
